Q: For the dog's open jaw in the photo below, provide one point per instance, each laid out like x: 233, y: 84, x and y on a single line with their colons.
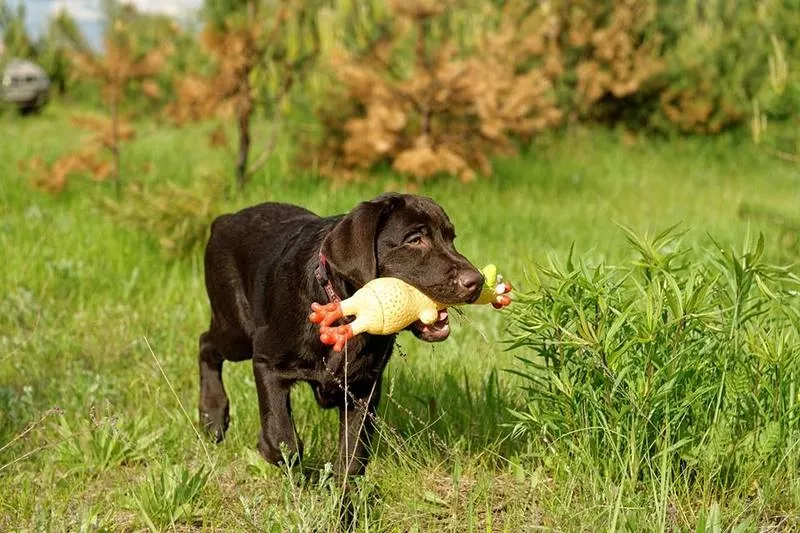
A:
x: 436, y: 332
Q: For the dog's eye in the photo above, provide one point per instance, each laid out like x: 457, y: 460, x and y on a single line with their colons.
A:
x: 414, y: 239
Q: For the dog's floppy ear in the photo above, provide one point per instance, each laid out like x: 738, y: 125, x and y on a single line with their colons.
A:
x: 351, y: 247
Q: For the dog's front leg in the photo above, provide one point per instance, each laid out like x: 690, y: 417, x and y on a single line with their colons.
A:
x: 274, y: 406
x: 356, y: 426
x: 275, y: 410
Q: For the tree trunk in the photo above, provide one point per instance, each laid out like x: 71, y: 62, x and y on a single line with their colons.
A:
x: 245, y: 110
x: 115, y: 144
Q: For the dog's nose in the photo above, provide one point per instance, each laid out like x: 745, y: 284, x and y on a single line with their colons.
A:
x: 471, y: 281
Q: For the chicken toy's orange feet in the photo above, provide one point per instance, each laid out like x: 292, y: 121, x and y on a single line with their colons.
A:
x: 336, y: 336
x: 503, y: 299
x: 325, y: 316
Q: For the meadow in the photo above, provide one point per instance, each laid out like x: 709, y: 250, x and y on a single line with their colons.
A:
x: 98, y: 338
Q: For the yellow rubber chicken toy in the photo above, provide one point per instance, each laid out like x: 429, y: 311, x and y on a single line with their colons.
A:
x: 387, y: 305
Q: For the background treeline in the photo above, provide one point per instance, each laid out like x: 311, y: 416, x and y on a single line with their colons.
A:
x: 430, y: 87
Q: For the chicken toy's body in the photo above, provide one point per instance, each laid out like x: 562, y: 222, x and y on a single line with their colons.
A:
x: 387, y: 305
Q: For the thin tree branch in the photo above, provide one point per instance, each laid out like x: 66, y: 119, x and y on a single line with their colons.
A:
x: 786, y: 156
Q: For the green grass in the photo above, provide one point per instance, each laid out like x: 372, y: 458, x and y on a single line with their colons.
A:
x: 92, y: 436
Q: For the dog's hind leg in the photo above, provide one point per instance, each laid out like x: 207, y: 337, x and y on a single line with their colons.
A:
x: 214, y: 406
x: 227, y: 339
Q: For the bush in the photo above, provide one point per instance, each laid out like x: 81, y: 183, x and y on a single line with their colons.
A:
x: 422, y: 98
x: 678, y: 366
x: 718, y: 61
x: 438, y: 88
x: 179, y: 218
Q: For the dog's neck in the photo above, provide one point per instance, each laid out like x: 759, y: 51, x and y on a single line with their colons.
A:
x: 322, y: 273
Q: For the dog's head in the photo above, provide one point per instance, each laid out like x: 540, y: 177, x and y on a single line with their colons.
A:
x: 407, y: 237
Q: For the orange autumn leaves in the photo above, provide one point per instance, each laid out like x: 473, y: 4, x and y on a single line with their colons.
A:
x: 113, y: 71
x: 455, y: 107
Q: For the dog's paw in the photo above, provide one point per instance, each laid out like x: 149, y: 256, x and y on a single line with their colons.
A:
x: 215, y: 423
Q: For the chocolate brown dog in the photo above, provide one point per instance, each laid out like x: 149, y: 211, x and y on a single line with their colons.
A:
x: 266, y: 264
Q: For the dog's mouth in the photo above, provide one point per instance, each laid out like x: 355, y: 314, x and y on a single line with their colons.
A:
x: 436, y: 332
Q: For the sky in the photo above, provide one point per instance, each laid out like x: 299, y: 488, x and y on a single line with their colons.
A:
x: 88, y: 16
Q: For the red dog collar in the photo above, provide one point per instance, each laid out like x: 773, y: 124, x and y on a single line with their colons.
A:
x: 321, y: 273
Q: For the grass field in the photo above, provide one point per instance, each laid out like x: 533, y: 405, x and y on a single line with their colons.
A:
x: 98, y: 336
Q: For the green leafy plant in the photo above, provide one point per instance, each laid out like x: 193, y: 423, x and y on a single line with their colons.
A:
x: 102, y: 444
x: 180, y: 218
x: 170, y: 495
x: 677, y: 366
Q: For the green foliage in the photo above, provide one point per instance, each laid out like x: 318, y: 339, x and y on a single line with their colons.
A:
x: 781, y: 99
x: 718, y: 61
x: 170, y: 495
x: 681, y: 365
x: 98, y: 445
x: 218, y: 11
x: 14, y: 33
x: 179, y: 218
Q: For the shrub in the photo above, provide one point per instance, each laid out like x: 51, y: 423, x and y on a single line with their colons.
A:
x: 438, y: 88
x: 717, y: 61
x: 677, y: 365
x: 179, y: 218
x: 417, y: 96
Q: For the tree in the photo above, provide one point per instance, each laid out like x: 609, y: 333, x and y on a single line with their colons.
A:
x: 261, y: 49
x: 119, y: 66
x: 414, y: 94
x: 15, y: 35
x: 63, y: 36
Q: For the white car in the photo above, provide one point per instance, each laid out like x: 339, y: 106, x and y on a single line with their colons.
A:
x: 25, y: 84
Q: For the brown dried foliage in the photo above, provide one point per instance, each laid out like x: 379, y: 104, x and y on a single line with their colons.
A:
x: 121, y: 65
x: 86, y: 161
x: 613, y: 51
x: 699, y: 108
x: 53, y: 178
x: 101, y: 130
x: 457, y: 108
x: 114, y: 70
x: 605, y: 45
x: 236, y: 51
x: 218, y: 138
x: 618, y: 61
x: 448, y: 116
